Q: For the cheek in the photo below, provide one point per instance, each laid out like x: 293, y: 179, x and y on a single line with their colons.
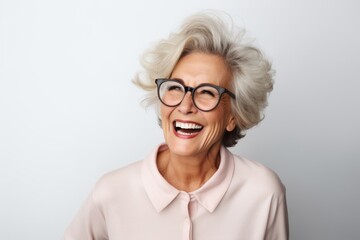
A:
x: 217, y: 122
x: 165, y: 113
x: 215, y: 132
x: 220, y: 119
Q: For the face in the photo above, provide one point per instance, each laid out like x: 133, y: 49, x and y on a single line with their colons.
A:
x: 189, y: 131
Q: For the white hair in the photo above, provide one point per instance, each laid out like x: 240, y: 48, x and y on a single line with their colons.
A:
x: 207, y: 32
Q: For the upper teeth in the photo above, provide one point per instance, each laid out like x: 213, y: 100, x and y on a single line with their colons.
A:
x: 187, y: 125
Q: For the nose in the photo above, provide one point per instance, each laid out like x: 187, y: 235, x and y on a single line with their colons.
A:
x: 187, y: 105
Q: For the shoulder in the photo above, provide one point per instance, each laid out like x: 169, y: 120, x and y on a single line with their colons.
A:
x: 121, y: 173
x: 126, y: 181
x: 257, y: 177
x: 117, y: 182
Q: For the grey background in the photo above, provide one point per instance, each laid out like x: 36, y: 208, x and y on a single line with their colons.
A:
x: 69, y: 113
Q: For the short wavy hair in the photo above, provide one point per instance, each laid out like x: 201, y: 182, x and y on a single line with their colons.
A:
x: 208, y: 32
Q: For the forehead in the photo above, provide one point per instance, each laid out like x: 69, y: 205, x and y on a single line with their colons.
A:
x: 197, y: 68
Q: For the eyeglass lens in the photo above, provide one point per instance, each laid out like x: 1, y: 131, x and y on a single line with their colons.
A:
x: 205, y: 98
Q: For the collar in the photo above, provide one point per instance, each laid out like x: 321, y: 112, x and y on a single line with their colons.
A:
x: 161, y: 193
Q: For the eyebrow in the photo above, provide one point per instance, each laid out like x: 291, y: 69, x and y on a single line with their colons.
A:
x: 178, y: 79
x: 183, y: 82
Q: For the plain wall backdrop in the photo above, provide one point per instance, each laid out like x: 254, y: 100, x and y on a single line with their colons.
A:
x: 69, y: 112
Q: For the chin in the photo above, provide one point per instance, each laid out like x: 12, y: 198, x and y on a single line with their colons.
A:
x: 182, y: 149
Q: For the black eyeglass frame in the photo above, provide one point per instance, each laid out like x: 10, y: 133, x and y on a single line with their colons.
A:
x: 220, y: 90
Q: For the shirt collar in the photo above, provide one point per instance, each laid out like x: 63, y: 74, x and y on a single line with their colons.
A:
x: 161, y: 193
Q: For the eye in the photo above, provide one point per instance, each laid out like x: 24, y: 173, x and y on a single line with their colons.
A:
x: 207, y: 91
x: 174, y: 88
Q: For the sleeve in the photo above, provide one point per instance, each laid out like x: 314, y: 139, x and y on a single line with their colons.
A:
x: 88, y: 224
x: 278, y: 225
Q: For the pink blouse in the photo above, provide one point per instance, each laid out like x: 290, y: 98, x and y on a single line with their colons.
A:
x: 243, y: 200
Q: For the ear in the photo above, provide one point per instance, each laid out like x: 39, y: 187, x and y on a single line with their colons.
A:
x: 231, y: 124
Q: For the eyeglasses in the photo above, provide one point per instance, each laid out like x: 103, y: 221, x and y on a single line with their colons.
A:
x: 205, y: 97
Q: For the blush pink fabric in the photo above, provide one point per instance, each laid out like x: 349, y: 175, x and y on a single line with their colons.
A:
x: 243, y: 200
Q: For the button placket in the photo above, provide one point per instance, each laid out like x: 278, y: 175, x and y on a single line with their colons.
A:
x: 187, y: 232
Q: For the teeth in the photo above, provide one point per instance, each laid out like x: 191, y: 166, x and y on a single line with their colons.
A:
x: 187, y: 125
x: 184, y: 133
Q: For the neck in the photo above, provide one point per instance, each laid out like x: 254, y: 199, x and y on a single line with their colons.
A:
x: 188, y: 173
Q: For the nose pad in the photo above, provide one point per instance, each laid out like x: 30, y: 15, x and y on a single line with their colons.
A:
x: 187, y: 105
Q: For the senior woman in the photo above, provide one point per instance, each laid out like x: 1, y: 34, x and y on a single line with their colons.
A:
x: 209, y: 87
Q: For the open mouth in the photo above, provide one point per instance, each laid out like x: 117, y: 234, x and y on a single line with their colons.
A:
x: 188, y: 129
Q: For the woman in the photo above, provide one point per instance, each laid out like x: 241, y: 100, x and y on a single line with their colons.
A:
x: 209, y: 88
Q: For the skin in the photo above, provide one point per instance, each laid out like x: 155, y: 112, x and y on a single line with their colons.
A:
x: 189, y: 161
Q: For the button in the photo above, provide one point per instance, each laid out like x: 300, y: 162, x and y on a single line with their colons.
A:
x: 185, y: 196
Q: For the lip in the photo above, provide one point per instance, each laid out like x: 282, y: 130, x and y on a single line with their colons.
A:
x: 193, y: 135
